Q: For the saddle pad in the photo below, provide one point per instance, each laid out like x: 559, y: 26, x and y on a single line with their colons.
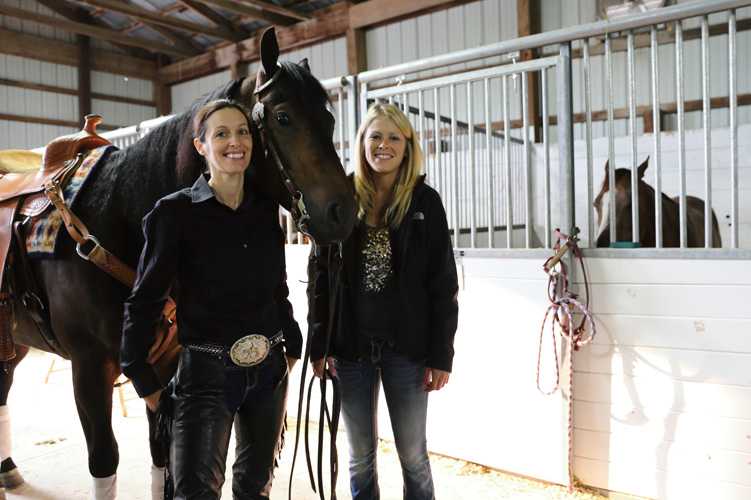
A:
x: 41, y: 235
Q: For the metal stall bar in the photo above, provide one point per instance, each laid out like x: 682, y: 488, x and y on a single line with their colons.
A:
x: 527, y: 169
x: 611, y: 140
x: 437, y: 161
x: 546, y: 154
x: 489, y: 162
x: 454, y: 163
x: 421, y: 129
x: 352, y: 104
x: 340, y: 119
x: 472, y: 167
x: 588, y: 139
x: 681, y: 132
x: 707, y: 125
x: 657, y: 126
x: 632, y: 132
x: 733, y: 94
x: 507, y: 156
x: 566, y: 140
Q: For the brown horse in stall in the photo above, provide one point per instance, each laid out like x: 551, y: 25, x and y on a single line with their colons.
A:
x: 647, y: 232
x: 85, y: 306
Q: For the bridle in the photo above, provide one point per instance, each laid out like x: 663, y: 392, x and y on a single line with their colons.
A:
x: 326, y: 418
x: 258, y: 115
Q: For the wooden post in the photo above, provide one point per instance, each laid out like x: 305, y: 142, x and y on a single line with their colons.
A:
x: 84, y: 77
x: 528, y: 23
x: 357, y: 60
x: 162, y: 92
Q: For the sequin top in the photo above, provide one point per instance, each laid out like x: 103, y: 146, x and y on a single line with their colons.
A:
x: 377, y: 264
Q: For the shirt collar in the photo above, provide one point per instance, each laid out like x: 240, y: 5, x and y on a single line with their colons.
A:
x: 201, y: 190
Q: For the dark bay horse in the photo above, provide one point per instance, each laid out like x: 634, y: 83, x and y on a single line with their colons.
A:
x: 647, y: 232
x: 86, y: 305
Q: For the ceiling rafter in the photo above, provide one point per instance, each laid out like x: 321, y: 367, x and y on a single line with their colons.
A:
x: 156, y: 18
x: 75, y: 13
x: 249, y: 11
x: 213, y: 16
x: 276, y: 9
x: 93, y: 31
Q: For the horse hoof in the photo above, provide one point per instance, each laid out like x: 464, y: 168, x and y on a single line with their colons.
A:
x: 11, y: 479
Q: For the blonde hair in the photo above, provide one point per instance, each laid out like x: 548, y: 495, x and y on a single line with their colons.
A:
x: 409, y: 170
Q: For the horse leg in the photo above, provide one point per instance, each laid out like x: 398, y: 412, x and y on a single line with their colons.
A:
x: 10, y: 477
x: 93, y: 379
x: 158, y: 459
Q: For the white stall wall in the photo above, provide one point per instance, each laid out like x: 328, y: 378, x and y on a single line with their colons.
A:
x: 662, y: 396
x: 183, y: 94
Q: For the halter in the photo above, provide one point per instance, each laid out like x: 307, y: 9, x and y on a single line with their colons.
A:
x: 258, y: 115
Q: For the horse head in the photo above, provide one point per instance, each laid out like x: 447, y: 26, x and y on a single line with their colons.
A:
x: 303, y: 169
x: 622, y: 208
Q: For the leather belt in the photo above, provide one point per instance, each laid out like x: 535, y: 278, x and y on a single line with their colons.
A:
x: 247, y: 351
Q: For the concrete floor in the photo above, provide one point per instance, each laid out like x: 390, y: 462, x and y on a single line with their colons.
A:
x: 50, y: 450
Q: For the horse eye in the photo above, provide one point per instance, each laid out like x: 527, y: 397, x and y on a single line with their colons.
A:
x: 282, y: 118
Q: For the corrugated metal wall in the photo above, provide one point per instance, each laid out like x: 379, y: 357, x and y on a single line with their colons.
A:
x: 42, y: 104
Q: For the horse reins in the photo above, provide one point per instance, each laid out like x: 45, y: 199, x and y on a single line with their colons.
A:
x: 563, y: 305
x: 300, y: 215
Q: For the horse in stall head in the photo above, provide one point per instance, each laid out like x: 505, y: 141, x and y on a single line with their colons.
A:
x: 647, y: 232
x: 85, y: 305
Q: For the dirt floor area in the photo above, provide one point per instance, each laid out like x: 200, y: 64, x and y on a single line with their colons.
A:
x: 50, y: 450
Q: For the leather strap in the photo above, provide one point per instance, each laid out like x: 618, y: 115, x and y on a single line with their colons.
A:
x: 94, y: 252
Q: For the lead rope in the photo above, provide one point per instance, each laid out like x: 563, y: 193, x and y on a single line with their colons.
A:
x: 325, y: 417
x: 563, y: 305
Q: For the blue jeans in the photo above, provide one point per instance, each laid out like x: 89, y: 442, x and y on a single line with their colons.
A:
x: 407, y: 403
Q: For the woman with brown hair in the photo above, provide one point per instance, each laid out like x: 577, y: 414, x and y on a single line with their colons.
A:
x: 220, y: 243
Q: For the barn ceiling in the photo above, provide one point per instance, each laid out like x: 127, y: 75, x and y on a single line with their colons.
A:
x: 173, y: 29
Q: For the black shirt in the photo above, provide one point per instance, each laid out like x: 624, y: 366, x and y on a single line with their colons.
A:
x: 377, y: 302
x: 229, y: 269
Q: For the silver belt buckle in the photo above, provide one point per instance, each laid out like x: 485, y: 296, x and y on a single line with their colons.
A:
x: 250, y: 350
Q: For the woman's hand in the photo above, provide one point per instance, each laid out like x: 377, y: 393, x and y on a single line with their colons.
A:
x: 152, y: 400
x: 290, y: 363
x: 318, y: 366
x: 435, y: 379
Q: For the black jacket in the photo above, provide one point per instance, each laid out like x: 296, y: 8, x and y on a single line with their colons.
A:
x: 426, y: 281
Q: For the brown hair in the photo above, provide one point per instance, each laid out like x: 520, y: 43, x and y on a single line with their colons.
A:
x: 208, y: 109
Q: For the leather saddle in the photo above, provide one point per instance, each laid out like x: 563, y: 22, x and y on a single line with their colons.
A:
x: 22, y: 193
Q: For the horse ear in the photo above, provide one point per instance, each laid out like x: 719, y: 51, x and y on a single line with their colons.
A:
x: 304, y: 64
x: 607, y: 167
x: 269, y: 56
x: 643, y: 167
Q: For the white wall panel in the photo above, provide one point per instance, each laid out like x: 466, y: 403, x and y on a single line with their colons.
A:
x: 183, y: 94
x: 662, y: 394
x: 327, y: 59
x: 31, y: 27
x: 440, y: 32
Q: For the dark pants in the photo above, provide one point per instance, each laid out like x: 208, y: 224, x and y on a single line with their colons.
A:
x: 210, y: 394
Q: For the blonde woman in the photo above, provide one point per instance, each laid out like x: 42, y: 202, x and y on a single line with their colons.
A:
x: 396, y: 309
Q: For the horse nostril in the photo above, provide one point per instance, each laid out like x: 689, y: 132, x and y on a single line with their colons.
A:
x: 334, y: 213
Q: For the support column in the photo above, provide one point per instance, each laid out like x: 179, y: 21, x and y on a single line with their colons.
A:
x: 357, y: 60
x: 162, y: 93
x: 528, y: 23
